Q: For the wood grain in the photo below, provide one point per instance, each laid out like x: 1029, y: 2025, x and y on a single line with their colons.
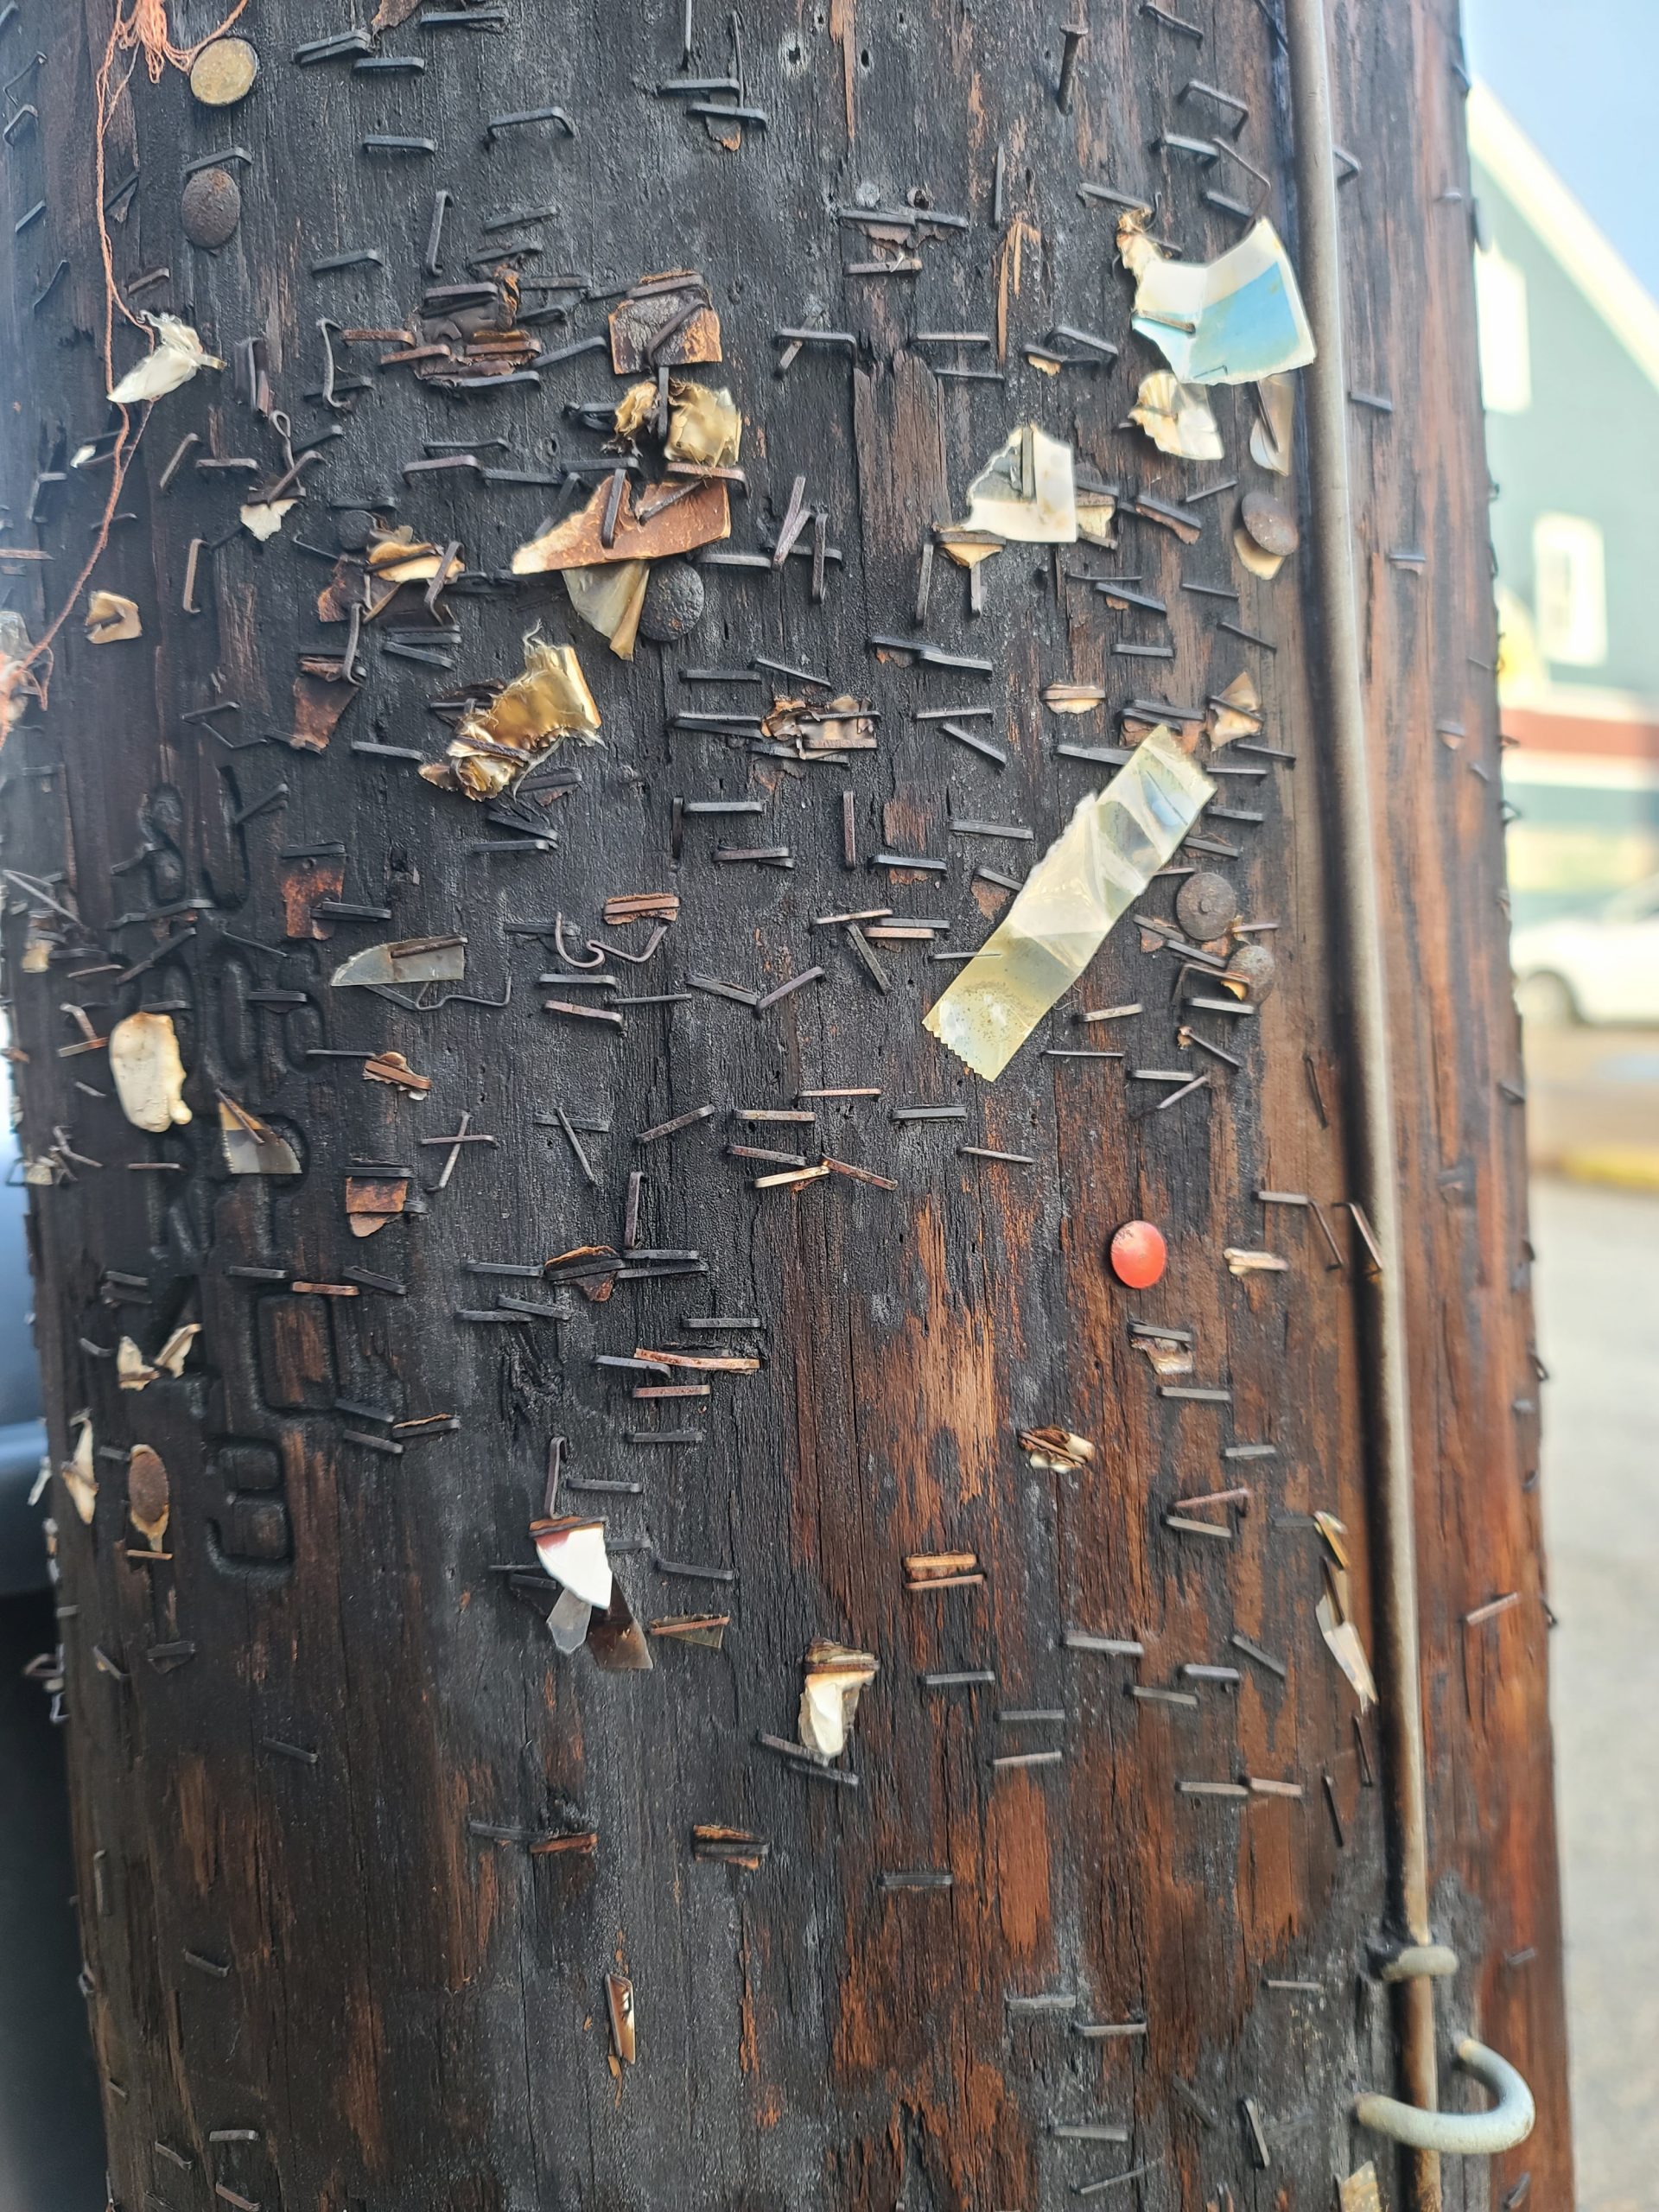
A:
x: 309, y: 1726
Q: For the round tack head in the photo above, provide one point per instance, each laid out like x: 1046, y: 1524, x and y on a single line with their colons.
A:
x: 1258, y: 968
x: 354, y: 527
x: 222, y: 72
x: 1206, y: 905
x: 1138, y: 1254
x: 674, y: 602
x: 1270, y: 522
x: 210, y: 208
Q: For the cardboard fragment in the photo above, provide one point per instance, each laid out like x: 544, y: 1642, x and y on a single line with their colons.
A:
x: 148, y: 1072
x: 319, y: 702
x: 374, y: 1200
x: 661, y: 520
x: 663, y: 323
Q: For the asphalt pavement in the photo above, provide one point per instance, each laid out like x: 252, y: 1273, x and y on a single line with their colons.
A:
x: 1597, y: 1290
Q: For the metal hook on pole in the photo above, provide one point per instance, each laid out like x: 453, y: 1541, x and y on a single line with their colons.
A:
x: 1467, y: 2134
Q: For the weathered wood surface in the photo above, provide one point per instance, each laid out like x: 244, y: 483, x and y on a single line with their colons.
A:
x: 322, y: 1951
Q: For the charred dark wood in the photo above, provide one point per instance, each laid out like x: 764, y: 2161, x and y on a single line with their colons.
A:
x: 384, y: 1882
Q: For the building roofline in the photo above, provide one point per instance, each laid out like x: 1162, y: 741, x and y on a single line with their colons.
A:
x: 1564, y: 229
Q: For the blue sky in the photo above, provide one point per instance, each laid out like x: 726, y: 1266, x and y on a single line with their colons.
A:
x: 1581, y: 78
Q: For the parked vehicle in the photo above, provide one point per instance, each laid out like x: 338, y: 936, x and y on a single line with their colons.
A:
x: 1599, y: 966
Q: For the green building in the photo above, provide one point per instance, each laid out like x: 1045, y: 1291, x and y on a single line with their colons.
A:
x: 1569, y: 358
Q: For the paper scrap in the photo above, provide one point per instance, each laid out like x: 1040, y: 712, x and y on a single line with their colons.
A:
x: 1102, y: 860
x: 148, y: 1072
x: 1233, y: 321
x: 1177, y: 417
x: 179, y: 353
x: 1026, y: 491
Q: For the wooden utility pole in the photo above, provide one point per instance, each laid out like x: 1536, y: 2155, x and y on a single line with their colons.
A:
x: 940, y: 1781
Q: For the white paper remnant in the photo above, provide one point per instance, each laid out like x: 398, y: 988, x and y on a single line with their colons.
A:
x: 179, y: 353
x: 1233, y: 321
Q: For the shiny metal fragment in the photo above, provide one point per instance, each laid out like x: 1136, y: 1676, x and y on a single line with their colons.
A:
x: 405, y: 960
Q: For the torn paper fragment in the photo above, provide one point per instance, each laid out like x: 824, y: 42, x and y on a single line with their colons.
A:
x: 636, y: 411
x: 1360, y: 2192
x: 80, y: 1473
x: 1177, y: 417
x: 1234, y: 320
x: 664, y: 321
x: 610, y: 600
x: 179, y: 353
x: 1062, y: 1451
x: 572, y: 1550
x: 109, y: 618
x: 704, y: 427
x: 1343, y: 1639
x: 1236, y: 712
x: 134, y: 1372
x: 1073, y: 698
x: 1096, y: 513
x: 251, y: 1147
x: 1026, y: 492
x: 1241, y: 1262
x: 1115, y: 842
x: 568, y: 1622
x: 263, y: 517
x: 619, y: 2002
x: 149, y: 1497
x: 1135, y: 248
x: 408, y: 960
x: 834, y: 1676
x: 1272, y: 433
x: 148, y: 1072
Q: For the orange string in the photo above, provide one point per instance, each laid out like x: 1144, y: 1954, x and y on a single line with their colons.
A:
x: 144, y: 28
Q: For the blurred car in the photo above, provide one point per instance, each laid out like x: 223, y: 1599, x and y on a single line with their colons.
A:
x: 1600, y: 966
